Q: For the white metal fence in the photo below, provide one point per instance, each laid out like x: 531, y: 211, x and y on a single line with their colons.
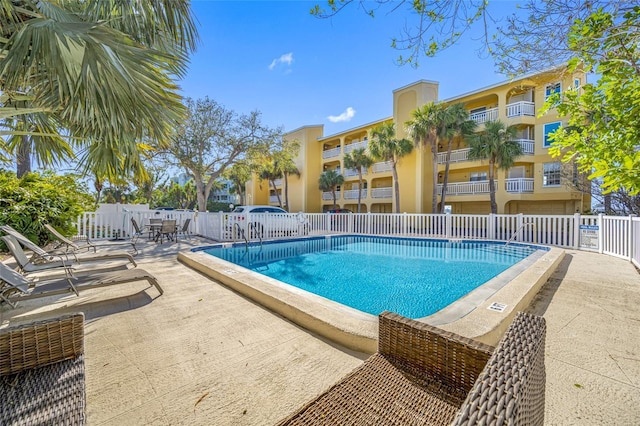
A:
x: 612, y: 235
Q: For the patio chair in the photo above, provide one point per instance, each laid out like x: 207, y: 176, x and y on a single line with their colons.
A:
x: 42, y: 255
x: 138, y: 231
x: 42, y: 375
x: 184, y: 230
x: 72, y: 246
x: 168, y: 229
x: 15, y: 287
x: 425, y: 375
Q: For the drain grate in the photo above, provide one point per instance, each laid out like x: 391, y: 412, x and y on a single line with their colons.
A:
x: 497, y: 307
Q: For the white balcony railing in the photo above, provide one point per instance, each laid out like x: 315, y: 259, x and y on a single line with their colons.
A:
x: 273, y: 199
x: 519, y: 185
x: 381, y: 167
x: 528, y: 146
x: 277, y: 182
x: 328, y: 196
x: 355, y: 145
x: 457, y: 155
x: 353, y: 172
x: 480, y: 117
x: 465, y: 188
x: 382, y: 192
x: 330, y: 153
x: 352, y: 194
x: 518, y: 109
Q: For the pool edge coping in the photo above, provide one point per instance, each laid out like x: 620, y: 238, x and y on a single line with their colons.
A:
x: 358, y: 330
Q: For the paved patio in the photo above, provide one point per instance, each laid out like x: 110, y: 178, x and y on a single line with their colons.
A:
x: 202, y: 354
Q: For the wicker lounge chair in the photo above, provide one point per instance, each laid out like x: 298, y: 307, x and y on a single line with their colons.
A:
x: 74, y: 247
x: 424, y: 375
x: 42, y: 379
x: 15, y: 287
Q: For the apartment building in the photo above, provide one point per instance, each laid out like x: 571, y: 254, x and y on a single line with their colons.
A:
x: 536, y: 184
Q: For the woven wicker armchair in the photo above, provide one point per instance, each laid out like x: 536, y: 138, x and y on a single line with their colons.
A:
x: 424, y: 375
x: 42, y: 373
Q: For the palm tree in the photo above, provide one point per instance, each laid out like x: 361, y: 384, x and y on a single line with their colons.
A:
x: 108, y: 78
x: 239, y: 174
x: 459, y: 127
x: 270, y: 173
x: 496, y: 144
x: 384, y: 146
x: 284, y: 162
x: 329, y: 181
x: 359, y: 160
x: 428, y: 127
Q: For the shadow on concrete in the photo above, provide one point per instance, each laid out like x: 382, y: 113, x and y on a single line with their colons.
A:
x: 541, y: 302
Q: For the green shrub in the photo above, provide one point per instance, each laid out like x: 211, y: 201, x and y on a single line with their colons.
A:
x: 28, y: 203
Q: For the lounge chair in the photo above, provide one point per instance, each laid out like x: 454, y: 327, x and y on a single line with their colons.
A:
x: 73, y: 246
x: 42, y: 380
x: 15, y: 287
x: 424, y: 375
x: 43, y: 255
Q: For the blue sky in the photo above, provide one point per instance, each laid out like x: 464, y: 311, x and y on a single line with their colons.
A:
x: 300, y: 70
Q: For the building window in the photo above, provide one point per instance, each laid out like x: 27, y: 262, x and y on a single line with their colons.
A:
x: 576, y: 83
x: 548, y: 129
x: 552, y: 89
x: 477, y: 176
x: 551, y: 174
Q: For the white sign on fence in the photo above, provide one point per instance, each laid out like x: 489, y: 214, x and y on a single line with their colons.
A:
x: 589, y: 236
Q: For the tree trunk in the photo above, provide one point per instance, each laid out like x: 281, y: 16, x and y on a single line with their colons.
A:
x: 434, y: 161
x: 333, y: 192
x: 396, y: 185
x: 286, y: 191
x: 23, y: 157
x: 201, y: 195
x: 273, y: 184
x: 492, y: 187
x: 359, y: 188
x: 445, y: 181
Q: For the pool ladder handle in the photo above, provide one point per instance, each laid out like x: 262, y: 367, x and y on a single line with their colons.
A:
x: 515, y: 234
x: 240, y: 233
x: 256, y: 232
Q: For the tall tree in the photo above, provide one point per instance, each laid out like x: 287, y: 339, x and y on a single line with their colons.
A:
x: 428, y: 127
x: 329, y: 181
x: 358, y: 159
x: 459, y: 128
x: 497, y: 144
x: 108, y: 77
x: 385, y: 146
x: 270, y: 172
x: 285, y: 163
x: 211, y: 139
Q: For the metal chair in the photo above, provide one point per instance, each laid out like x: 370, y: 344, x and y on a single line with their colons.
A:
x: 167, y: 229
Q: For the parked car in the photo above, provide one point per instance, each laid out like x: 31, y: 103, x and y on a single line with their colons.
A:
x: 265, y: 221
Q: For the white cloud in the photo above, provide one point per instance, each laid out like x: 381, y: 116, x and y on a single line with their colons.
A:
x: 347, y: 115
x: 287, y: 58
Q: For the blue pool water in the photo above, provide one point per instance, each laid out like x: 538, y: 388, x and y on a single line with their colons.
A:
x: 413, y: 277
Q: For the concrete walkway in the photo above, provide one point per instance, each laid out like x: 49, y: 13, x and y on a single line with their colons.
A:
x: 202, y: 354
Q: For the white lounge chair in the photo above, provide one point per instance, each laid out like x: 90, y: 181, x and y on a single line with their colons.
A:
x: 74, y: 247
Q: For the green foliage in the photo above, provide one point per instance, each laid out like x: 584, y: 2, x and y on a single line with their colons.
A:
x: 28, y: 203
x: 602, y: 133
x: 329, y: 181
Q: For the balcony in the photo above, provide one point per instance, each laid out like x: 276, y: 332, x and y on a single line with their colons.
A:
x: 355, y: 145
x: 480, y: 117
x: 330, y: 153
x: 466, y: 188
x: 328, y: 196
x: 352, y: 194
x: 382, y: 192
x: 381, y: 167
x: 522, y: 108
x: 519, y: 185
x: 273, y: 199
x: 460, y: 155
x: 353, y: 172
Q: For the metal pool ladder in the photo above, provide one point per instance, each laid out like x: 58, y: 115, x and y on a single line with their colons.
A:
x: 520, y: 228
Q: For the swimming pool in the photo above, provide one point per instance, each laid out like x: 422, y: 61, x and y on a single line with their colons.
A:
x: 473, y: 316
x: 412, y: 277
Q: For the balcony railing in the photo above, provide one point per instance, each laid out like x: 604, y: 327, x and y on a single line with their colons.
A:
x: 328, y: 196
x: 355, y: 145
x: 519, y: 185
x: 384, y: 166
x: 382, y: 192
x: 352, y: 194
x: 521, y: 108
x: 273, y: 198
x: 480, y: 117
x: 353, y: 172
x: 465, y: 188
x: 459, y: 155
x: 330, y: 153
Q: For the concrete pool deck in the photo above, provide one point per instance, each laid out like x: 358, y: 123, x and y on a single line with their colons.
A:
x: 203, y: 354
